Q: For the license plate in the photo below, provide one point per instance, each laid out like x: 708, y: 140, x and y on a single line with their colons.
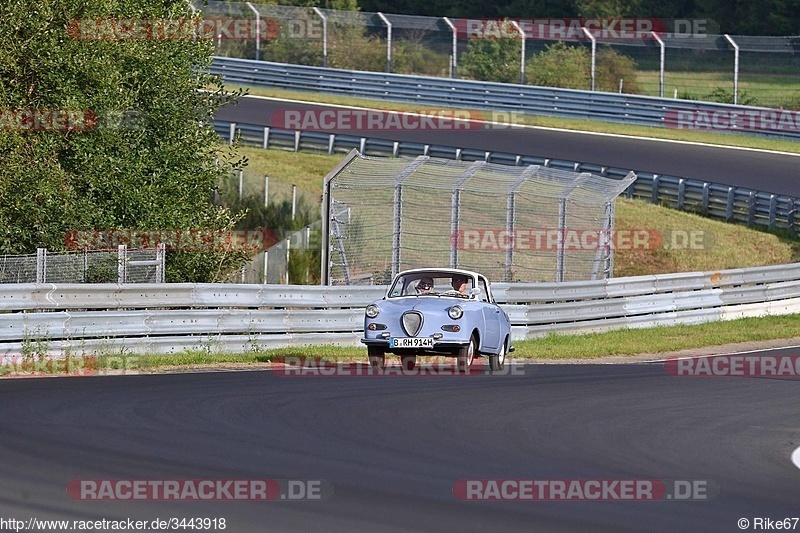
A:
x: 411, y: 342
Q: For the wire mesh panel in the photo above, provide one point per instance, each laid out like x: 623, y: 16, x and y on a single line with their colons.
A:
x: 517, y: 224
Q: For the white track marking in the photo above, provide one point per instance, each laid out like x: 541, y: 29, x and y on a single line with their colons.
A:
x: 543, y: 128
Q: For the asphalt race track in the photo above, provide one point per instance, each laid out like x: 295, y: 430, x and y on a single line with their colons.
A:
x: 394, y: 447
x: 762, y: 171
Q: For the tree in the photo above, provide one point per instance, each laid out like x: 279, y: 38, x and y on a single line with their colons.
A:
x: 100, y: 170
x: 559, y: 65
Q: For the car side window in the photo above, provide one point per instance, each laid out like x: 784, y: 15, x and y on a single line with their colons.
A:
x: 484, y: 294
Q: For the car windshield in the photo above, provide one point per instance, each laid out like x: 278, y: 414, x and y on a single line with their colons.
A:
x: 432, y: 283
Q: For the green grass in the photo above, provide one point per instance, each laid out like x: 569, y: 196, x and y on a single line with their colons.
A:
x: 718, y: 138
x: 771, y: 90
x: 624, y: 342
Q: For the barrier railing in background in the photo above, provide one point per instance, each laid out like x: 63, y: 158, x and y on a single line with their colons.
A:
x: 508, y: 98
x: 715, y: 200
x: 156, y: 318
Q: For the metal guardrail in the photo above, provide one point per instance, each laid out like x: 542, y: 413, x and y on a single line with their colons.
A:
x: 466, y: 94
x: 714, y: 200
x: 156, y: 318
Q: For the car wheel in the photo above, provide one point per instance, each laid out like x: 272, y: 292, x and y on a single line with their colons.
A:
x: 408, y: 362
x: 376, y: 357
x: 497, y: 362
x: 466, y: 356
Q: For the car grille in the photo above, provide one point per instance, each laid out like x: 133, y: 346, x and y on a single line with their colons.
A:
x: 412, y: 323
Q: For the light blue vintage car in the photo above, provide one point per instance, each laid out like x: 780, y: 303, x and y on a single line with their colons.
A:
x: 441, y: 311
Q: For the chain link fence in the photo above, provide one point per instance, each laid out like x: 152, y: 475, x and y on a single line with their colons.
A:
x: 122, y: 266
x: 671, y: 58
x: 514, y: 224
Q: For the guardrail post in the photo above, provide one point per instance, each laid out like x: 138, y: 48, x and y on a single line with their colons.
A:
x: 751, y: 209
x: 395, y: 148
x: 362, y: 145
x: 454, y: 55
x: 705, y: 198
x: 324, y: 36
x: 297, y: 141
x: 41, y: 265
x: 388, y: 41
x: 594, y: 52
x: 655, y: 189
x: 331, y: 141
x: 773, y: 208
x: 266, y: 138
x: 681, y: 192
x: 266, y: 191
x: 735, y: 69
x: 231, y: 133
x: 729, y: 207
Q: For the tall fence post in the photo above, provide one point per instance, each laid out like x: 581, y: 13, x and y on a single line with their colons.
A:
x: 321, y: 15
x: 41, y: 265
x: 521, y: 52
x: 294, y: 200
x: 661, y: 65
x: 454, y: 55
x: 160, y: 266
x: 258, y: 30
x: 122, y: 263
x: 594, y: 53
x: 735, y: 69
x: 388, y: 41
x: 266, y: 191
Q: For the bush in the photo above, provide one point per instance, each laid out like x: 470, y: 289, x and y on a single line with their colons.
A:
x: 724, y: 96
x: 492, y: 60
x: 610, y: 67
x: 559, y: 65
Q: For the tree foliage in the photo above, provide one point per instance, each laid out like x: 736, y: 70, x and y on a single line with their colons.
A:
x: 492, y: 60
x: 570, y: 67
x: 156, y: 172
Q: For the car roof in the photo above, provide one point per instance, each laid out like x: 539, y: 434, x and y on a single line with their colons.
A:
x: 448, y: 271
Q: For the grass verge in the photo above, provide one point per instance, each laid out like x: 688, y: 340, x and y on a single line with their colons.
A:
x: 624, y: 342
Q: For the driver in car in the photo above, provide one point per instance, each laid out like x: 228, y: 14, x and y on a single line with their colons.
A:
x: 424, y: 286
x: 460, y: 283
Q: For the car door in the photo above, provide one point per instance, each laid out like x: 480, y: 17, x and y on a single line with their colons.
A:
x: 492, y: 316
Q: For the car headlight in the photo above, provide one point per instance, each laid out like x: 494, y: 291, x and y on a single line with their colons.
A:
x: 372, y: 311
x: 455, y: 312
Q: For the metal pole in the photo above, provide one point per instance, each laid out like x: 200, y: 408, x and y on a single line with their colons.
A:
x: 258, y: 30
x: 562, y: 228
x: 735, y: 69
x: 324, y: 35
x: 122, y: 263
x: 522, y: 52
x: 388, y: 41
x: 241, y: 183
x: 294, y: 200
x: 288, y: 246
x: 594, y: 52
x: 160, y: 257
x: 266, y: 191
x: 661, y: 67
x: 454, y: 61
x: 41, y: 265
x: 266, y: 262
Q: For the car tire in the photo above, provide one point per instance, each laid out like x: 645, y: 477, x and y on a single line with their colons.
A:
x: 409, y: 362
x: 376, y: 357
x: 466, y: 356
x: 498, y: 362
